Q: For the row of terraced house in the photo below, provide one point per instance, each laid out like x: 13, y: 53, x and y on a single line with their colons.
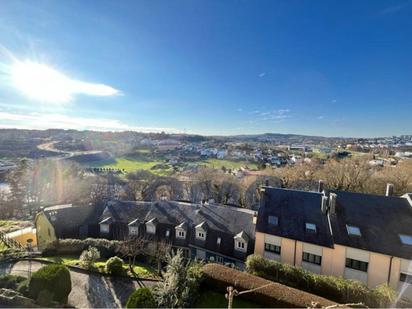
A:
x: 351, y: 235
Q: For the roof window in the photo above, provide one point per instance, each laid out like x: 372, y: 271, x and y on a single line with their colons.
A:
x: 310, y: 227
x: 353, y: 230
x: 406, y: 239
x: 273, y: 220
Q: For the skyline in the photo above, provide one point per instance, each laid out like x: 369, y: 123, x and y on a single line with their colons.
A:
x: 211, y: 68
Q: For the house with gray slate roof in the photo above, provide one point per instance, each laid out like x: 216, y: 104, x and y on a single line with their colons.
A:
x: 222, y: 234
x: 345, y: 234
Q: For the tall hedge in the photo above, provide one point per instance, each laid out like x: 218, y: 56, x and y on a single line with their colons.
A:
x: 141, y: 298
x: 334, y: 288
x: 272, y: 294
x: 54, y: 278
x: 107, y: 248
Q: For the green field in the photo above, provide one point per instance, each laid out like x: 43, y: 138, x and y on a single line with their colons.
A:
x: 130, y: 164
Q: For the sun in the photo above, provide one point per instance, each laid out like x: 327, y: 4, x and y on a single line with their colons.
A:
x: 41, y: 82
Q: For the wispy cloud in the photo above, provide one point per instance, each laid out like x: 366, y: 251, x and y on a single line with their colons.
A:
x: 272, y: 115
x: 239, y: 110
x: 262, y: 74
x: 320, y: 117
x: 394, y: 8
x: 59, y: 121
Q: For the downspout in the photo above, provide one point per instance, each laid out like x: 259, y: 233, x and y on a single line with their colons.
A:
x: 390, y: 270
x: 294, y: 255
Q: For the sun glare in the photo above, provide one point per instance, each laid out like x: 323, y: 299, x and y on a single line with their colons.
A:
x: 45, y: 84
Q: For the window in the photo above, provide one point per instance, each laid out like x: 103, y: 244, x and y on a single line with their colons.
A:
x: 150, y: 229
x: 240, y: 245
x: 181, y: 234
x: 133, y: 230
x: 406, y: 278
x: 310, y: 227
x: 219, y: 259
x: 353, y: 230
x: 406, y: 239
x: 167, y: 233
x: 219, y: 241
x: 358, y: 265
x: 272, y: 248
x: 104, y: 228
x: 312, y: 258
x: 201, y: 235
x: 273, y: 220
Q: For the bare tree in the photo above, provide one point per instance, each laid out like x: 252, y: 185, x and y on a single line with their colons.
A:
x: 161, y: 251
x: 131, y: 248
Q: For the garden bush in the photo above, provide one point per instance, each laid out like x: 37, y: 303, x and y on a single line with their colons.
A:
x: 141, y: 298
x: 11, y: 281
x: 54, y: 278
x: 334, y: 288
x: 218, y: 277
x: 114, y: 266
x: 89, y: 257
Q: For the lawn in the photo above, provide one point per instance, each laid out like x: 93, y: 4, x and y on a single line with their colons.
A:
x: 132, y: 164
x: 141, y: 270
x: 210, y: 299
x: 229, y: 164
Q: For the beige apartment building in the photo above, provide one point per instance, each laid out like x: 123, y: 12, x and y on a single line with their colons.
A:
x: 344, y: 234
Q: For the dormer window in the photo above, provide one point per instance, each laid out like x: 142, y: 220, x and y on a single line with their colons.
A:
x: 241, y: 241
x: 406, y: 239
x: 219, y: 241
x: 167, y: 234
x: 134, y: 228
x: 201, y: 230
x: 151, y: 226
x: 181, y: 230
x: 310, y: 227
x: 105, y: 225
x: 353, y: 230
x: 273, y: 220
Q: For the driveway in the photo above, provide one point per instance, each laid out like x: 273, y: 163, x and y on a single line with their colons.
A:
x: 88, y: 290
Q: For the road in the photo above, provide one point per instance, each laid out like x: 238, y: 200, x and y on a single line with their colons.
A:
x: 61, y: 154
x: 88, y: 290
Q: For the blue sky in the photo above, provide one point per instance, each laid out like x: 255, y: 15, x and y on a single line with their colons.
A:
x: 332, y: 68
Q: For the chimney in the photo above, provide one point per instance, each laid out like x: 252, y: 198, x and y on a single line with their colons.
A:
x: 320, y: 186
x: 389, y: 189
x: 324, y: 205
x: 332, y: 203
x: 254, y: 217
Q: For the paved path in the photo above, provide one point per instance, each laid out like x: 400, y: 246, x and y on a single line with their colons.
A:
x: 88, y: 290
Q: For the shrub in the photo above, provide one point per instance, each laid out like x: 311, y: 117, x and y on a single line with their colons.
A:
x: 55, y: 278
x: 180, y: 284
x: 219, y: 277
x: 89, y: 257
x: 114, y: 266
x: 141, y: 298
x: 10, y: 281
x: 23, y: 287
x: 337, y: 289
